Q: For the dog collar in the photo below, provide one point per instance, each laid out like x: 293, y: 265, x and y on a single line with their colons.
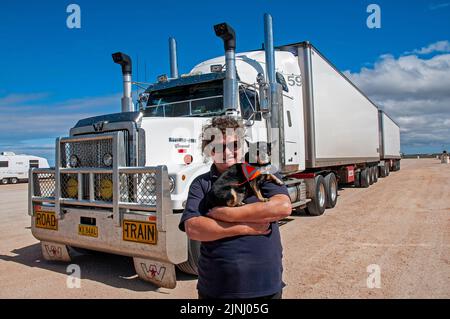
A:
x: 250, y: 172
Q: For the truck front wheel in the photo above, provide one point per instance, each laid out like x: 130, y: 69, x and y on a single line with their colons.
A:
x: 191, y: 265
x: 331, y: 186
x: 317, y: 205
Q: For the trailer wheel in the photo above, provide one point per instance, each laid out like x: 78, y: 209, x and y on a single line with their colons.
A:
x: 382, y: 170
x: 375, y: 174
x: 387, y: 170
x: 4, y: 181
x: 365, y: 178
x: 371, y: 175
x: 317, y: 205
x: 331, y: 187
x: 191, y: 265
x: 396, y: 166
x: 357, y: 182
x: 14, y: 180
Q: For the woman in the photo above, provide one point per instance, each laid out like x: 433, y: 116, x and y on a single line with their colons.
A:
x: 241, y: 252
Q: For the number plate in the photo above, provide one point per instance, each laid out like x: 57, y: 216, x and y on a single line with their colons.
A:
x: 88, y: 230
x: 46, y: 220
x: 139, y: 232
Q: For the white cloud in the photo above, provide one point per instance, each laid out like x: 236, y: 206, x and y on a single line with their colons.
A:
x: 26, y: 119
x: 415, y: 92
x: 438, y: 6
x: 440, y: 46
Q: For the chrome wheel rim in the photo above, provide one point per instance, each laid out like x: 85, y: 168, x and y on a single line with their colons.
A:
x: 333, y: 190
x: 321, y: 195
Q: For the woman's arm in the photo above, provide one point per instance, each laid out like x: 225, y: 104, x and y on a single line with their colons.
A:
x: 278, y: 207
x: 207, y: 229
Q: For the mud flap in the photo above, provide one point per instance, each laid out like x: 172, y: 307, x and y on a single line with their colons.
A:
x: 159, y: 273
x: 54, y: 251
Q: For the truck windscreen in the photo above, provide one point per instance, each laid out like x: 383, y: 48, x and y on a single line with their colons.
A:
x: 201, y: 99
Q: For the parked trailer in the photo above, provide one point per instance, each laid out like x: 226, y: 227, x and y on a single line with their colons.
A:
x: 14, y: 168
x: 389, y: 144
x: 120, y: 181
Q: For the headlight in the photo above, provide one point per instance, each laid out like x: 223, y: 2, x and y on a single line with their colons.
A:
x: 72, y: 187
x: 107, y: 159
x: 73, y: 161
x: 106, y: 188
x: 172, y: 183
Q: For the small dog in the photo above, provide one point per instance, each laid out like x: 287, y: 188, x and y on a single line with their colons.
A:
x: 243, y: 179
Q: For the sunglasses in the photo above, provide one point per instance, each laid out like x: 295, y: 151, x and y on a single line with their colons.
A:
x: 232, y: 146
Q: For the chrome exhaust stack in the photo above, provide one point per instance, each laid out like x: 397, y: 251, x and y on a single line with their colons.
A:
x: 230, y: 84
x: 173, y: 58
x: 274, y: 119
x: 125, y: 62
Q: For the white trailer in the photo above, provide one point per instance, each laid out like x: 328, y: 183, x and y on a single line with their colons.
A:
x: 389, y: 144
x: 14, y: 168
x: 120, y: 181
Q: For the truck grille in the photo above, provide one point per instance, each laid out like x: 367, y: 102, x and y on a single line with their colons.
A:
x: 89, y: 153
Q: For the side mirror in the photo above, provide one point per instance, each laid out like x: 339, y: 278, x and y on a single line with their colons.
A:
x: 263, y: 94
x: 281, y: 80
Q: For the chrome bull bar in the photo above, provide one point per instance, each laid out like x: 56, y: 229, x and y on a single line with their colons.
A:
x: 126, y: 188
x: 132, y: 195
x: 129, y: 180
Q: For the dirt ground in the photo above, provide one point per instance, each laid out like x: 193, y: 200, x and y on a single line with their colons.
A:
x: 396, y: 233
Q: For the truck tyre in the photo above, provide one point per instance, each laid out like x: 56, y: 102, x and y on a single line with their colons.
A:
x: 14, y: 180
x: 387, y: 170
x: 317, y: 205
x: 365, y: 178
x: 4, y: 181
x: 371, y: 175
x: 382, y: 170
x: 191, y: 265
x: 357, y: 182
x: 331, y: 187
x: 375, y: 174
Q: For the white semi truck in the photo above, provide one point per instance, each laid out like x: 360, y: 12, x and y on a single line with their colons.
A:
x: 120, y: 181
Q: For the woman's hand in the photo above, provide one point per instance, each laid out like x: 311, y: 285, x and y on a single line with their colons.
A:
x: 257, y: 228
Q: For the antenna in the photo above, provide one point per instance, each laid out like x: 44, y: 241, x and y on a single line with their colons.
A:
x: 137, y: 73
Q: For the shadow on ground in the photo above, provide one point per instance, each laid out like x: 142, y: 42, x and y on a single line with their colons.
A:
x: 112, y: 270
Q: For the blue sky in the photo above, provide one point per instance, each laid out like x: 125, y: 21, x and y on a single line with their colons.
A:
x: 51, y: 75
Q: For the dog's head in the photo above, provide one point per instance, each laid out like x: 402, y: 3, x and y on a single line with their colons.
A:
x: 258, y: 153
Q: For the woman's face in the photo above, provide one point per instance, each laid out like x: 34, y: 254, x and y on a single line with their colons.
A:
x: 226, y: 153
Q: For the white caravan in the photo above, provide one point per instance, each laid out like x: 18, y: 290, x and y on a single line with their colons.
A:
x: 15, y: 168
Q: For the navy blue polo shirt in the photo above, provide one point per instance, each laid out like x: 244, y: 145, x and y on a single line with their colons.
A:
x: 241, y: 266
